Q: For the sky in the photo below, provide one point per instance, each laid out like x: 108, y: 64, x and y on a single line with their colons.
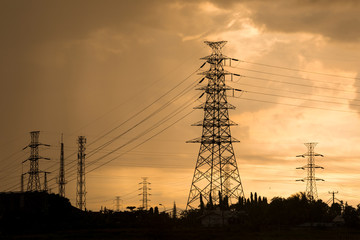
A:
x: 125, y: 73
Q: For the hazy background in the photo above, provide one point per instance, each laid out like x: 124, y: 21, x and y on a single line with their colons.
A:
x: 85, y: 67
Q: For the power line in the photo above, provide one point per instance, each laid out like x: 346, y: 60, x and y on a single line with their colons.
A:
x: 299, y: 70
x: 306, y: 99
x: 299, y: 84
x: 291, y: 91
x: 294, y: 105
x: 167, y: 104
x: 136, y: 146
x: 287, y: 76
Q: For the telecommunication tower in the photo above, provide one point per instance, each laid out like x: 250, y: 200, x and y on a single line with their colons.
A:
x: 61, y: 180
x: 216, y: 169
x: 80, y: 188
x: 145, y: 188
x: 311, y: 190
x: 34, y: 178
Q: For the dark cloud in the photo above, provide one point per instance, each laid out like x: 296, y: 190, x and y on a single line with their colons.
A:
x: 338, y: 20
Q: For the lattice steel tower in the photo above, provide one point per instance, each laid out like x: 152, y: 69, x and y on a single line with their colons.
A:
x: 34, y: 178
x: 80, y: 188
x: 61, y: 180
x: 216, y: 168
x: 311, y: 190
x: 145, y: 188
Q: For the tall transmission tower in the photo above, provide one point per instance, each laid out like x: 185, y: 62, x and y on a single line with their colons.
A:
x: 34, y: 178
x: 311, y: 190
x: 61, y: 180
x: 145, y: 193
x: 80, y: 188
x: 216, y: 168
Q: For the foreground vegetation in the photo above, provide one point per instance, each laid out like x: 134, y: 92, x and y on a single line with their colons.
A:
x: 50, y: 216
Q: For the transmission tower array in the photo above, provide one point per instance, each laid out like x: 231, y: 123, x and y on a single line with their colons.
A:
x: 34, y: 178
x: 145, y: 188
x: 216, y: 169
x: 61, y: 180
x: 311, y: 190
x: 81, y: 189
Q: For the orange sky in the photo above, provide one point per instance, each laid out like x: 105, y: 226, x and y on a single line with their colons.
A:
x: 84, y: 67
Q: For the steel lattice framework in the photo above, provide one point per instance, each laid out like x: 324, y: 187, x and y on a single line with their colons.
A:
x: 145, y: 193
x: 311, y: 190
x: 34, y: 178
x: 81, y: 187
x: 61, y: 180
x: 216, y: 169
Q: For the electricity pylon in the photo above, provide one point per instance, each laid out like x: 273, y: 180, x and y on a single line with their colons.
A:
x: 61, y: 180
x: 81, y: 189
x: 333, y: 198
x: 311, y: 190
x: 117, y: 203
x: 145, y: 188
x: 216, y: 169
x: 34, y: 178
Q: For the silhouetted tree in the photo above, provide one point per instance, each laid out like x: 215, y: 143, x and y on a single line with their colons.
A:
x: 156, y: 210
x: 210, y: 204
x: 350, y: 216
x: 202, y: 206
x: 220, y: 200
x: 174, y: 210
x: 255, y: 197
x: 335, y: 210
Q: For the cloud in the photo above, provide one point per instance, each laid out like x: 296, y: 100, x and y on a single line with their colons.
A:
x: 337, y: 20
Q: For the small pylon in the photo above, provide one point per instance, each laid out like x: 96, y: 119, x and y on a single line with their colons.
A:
x: 61, y: 180
x: 311, y: 190
x: 145, y: 193
x: 333, y: 198
x: 34, y: 178
x: 117, y: 203
x: 81, y: 187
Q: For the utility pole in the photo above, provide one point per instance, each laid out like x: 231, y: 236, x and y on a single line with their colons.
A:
x: 81, y: 189
x: 117, y: 200
x: 216, y: 169
x: 22, y: 181
x: 61, y: 180
x: 311, y: 190
x: 34, y: 178
x: 45, y: 181
x: 145, y: 188
x: 333, y: 198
